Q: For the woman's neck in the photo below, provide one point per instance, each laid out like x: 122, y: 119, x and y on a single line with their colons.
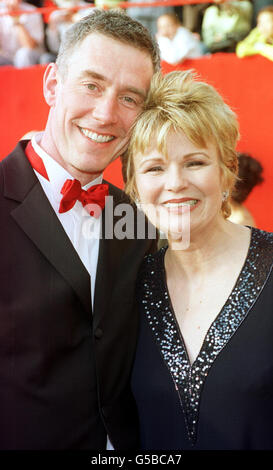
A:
x: 207, y: 249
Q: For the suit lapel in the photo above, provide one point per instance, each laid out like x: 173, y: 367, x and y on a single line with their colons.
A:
x: 110, y: 252
x: 38, y: 220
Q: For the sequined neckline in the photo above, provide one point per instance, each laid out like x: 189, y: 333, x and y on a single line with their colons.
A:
x: 154, y: 297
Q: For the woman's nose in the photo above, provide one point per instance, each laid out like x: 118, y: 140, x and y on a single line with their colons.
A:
x: 176, y: 179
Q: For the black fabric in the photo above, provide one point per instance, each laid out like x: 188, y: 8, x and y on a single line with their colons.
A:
x: 236, y: 405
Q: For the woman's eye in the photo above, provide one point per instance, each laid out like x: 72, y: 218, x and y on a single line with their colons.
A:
x: 195, y: 163
x: 155, y: 169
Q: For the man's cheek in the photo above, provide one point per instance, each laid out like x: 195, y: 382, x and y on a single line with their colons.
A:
x: 120, y: 149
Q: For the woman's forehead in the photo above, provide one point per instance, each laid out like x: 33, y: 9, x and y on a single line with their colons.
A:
x: 160, y: 141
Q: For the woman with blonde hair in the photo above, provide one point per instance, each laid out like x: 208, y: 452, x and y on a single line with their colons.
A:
x: 203, y: 373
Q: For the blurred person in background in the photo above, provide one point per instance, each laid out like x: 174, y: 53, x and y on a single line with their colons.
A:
x: 176, y: 43
x: 59, y: 21
x: 148, y: 15
x: 260, y: 39
x: 192, y: 15
x: 224, y: 24
x: 249, y: 176
x: 257, y: 6
x: 21, y: 35
x: 107, y: 3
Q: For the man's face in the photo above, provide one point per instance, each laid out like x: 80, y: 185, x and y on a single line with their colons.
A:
x: 94, y: 105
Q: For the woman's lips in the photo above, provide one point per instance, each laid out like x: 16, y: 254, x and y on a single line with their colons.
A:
x: 181, y: 202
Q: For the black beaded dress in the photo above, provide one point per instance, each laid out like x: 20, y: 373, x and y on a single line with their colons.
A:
x: 224, y: 401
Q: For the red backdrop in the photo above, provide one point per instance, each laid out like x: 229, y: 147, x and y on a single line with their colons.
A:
x: 246, y: 84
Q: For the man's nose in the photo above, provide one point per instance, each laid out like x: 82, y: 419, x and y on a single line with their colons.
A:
x: 106, y: 110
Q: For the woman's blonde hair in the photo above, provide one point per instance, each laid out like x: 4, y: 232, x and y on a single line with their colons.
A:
x: 179, y: 102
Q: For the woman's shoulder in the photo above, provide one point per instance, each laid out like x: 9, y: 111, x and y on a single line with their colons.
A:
x: 260, y: 255
x: 152, y: 261
x: 262, y: 240
x: 151, y: 271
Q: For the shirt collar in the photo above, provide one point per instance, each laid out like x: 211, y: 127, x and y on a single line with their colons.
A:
x: 56, y: 173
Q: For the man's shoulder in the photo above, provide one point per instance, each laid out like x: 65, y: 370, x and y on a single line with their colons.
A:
x: 19, y: 149
x: 118, y: 194
x: 15, y: 170
x: 6, y: 165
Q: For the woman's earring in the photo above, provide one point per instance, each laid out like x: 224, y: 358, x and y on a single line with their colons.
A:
x: 225, y: 195
x: 137, y: 203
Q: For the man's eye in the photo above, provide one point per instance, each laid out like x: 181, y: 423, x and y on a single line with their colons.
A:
x: 129, y: 100
x: 91, y: 86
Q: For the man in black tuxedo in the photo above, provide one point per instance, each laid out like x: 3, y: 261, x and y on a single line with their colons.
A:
x: 68, y: 321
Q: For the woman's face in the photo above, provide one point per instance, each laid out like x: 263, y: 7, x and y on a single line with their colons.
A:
x: 187, y: 180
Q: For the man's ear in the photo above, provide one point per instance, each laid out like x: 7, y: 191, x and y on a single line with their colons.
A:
x: 50, y: 83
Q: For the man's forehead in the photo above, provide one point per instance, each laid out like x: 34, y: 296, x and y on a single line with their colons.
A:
x: 97, y: 40
x: 96, y: 50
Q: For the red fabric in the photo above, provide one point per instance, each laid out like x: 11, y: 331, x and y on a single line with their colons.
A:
x: 47, y: 4
x: 72, y: 190
x: 95, y: 195
x: 246, y: 84
x: 35, y: 161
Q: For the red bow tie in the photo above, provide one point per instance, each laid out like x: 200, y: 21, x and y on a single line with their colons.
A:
x: 95, y: 195
x: 72, y: 190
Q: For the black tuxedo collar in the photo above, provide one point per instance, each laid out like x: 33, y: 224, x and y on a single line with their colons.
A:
x: 19, y: 178
x: 110, y: 252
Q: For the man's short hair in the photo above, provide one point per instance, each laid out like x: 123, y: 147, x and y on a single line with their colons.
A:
x: 111, y: 23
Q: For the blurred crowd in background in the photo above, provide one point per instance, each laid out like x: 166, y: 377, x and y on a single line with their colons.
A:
x: 243, y: 27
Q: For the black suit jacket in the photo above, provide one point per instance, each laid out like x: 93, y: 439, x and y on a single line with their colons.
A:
x: 64, y: 370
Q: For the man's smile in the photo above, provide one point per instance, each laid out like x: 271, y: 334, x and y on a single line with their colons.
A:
x: 101, y: 138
